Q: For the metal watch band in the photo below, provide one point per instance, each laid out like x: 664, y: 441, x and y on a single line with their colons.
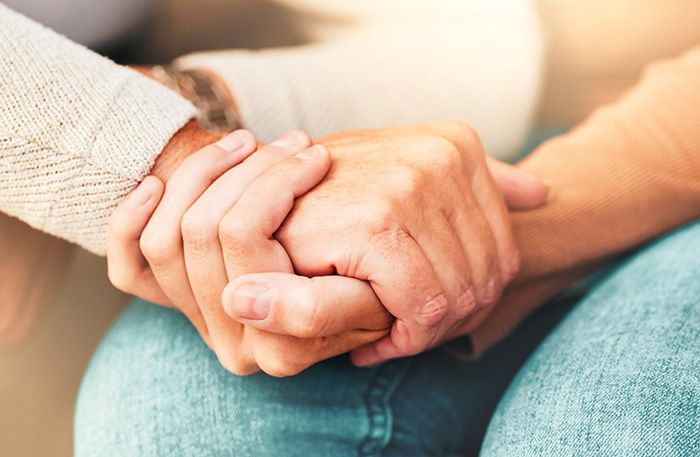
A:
x: 217, y: 110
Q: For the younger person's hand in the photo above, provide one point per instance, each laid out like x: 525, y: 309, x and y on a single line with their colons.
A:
x: 214, y: 193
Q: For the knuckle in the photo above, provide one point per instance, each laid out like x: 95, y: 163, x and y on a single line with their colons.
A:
x: 447, y: 161
x: 234, y: 234
x: 413, y: 347
x: 120, y: 281
x: 490, y: 292
x: 278, y: 366
x: 463, y: 131
x: 311, y: 351
x: 393, y: 242
x: 465, y: 304
x: 464, y: 138
x: 310, y: 329
x: 378, y: 216
x: 237, y: 364
x: 434, y: 311
x: 513, y: 263
x: 406, y: 181
x: 158, y: 250
x: 315, y: 322
x: 407, y: 343
x: 197, y: 230
x: 283, y: 356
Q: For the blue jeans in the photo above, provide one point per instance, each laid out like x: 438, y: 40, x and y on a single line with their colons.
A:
x: 618, y: 373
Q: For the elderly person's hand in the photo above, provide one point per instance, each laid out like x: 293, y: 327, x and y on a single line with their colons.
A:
x: 413, y: 211
x: 224, y: 185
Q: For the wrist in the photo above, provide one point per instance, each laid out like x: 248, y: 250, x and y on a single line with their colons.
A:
x: 191, y: 137
x: 217, y: 107
x: 187, y: 140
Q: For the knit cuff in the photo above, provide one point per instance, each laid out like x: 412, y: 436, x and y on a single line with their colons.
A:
x: 143, y: 117
x: 77, y: 132
x: 71, y: 196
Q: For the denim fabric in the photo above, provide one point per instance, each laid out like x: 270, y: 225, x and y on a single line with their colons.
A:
x: 619, y: 374
x: 154, y: 389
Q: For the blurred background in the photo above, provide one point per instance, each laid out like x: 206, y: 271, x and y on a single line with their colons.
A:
x: 596, y: 49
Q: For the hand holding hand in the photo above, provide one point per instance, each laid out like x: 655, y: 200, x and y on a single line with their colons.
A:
x: 228, y: 192
x: 415, y: 212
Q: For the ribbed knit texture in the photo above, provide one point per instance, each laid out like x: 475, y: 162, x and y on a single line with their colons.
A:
x: 77, y: 131
x: 626, y: 175
x: 394, y: 63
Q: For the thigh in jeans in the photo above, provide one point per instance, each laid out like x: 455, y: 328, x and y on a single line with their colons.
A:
x: 154, y: 389
x: 620, y: 376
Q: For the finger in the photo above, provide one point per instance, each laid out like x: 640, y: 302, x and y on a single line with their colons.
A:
x: 459, y: 274
x: 494, y: 209
x: 126, y: 266
x: 161, y: 241
x: 520, y: 189
x: 461, y: 254
x: 387, y: 348
x: 246, y: 230
x: 477, y: 238
x: 483, y: 189
x: 284, y: 355
x: 202, y: 247
x: 304, y: 307
x: 201, y: 224
x: 419, y: 306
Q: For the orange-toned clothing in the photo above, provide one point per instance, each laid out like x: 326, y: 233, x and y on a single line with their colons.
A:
x: 626, y: 175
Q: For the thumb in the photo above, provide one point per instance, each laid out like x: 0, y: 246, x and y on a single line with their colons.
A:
x: 304, y: 307
x: 520, y: 189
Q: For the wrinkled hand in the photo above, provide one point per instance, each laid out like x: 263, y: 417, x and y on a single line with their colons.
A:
x: 213, y: 223
x: 416, y: 213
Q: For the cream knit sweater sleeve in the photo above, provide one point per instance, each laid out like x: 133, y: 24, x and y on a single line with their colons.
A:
x: 77, y: 131
x: 372, y: 63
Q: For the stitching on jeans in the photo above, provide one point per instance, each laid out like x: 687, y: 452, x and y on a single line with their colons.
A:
x: 379, y: 391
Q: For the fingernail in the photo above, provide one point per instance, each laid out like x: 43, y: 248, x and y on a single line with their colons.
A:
x: 232, y: 142
x: 311, y: 153
x: 252, y: 301
x: 142, y: 194
x: 288, y: 140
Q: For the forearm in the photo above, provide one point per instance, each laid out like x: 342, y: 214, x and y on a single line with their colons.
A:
x: 77, y: 131
x: 627, y: 175
x: 394, y: 65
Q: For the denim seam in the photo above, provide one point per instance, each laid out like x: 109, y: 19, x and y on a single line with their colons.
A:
x: 379, y: 392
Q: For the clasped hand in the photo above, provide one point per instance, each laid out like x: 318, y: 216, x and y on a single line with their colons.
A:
x: 380, y: 242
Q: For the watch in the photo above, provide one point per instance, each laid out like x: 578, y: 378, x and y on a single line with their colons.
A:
x: 217, y: 109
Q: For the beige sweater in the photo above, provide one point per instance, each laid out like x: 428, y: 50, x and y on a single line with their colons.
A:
x: 77, y: 132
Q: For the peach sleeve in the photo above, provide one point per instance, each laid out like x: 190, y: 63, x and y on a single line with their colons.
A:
x: 625, y: 176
